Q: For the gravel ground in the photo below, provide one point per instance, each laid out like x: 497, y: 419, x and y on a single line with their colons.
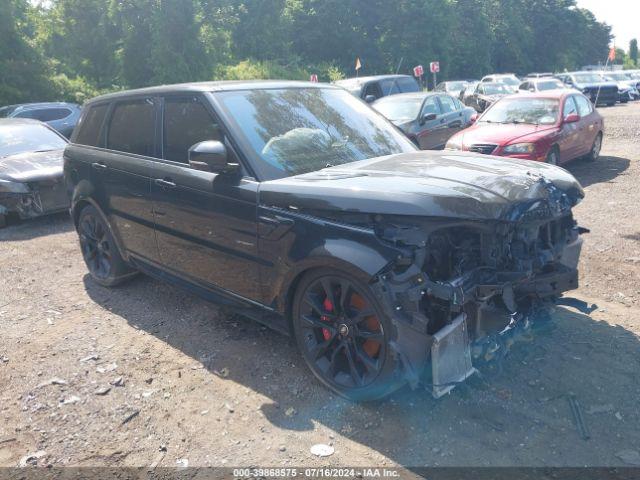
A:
x: 146, y: 375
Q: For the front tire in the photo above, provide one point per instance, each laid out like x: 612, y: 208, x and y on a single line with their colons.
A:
x: 344, y: 336
x: 553, y: 157
x: 99, y: 250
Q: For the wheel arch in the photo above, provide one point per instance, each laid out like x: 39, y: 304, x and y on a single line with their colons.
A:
x: 363, y: 264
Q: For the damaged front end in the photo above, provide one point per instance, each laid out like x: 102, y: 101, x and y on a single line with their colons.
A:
x: 33, y: 199
x: 468, y: 282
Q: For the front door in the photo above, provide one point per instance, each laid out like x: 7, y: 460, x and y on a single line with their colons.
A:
x: 205, y: 222
x: 431, y: 133
x: 570, y: 133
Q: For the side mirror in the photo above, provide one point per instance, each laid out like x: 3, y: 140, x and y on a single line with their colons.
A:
x: 370, y: 98
x: 474, y: 118
x: 572, y: 118
x: 532, y: 89
x: 427, y: 117
x: 210, y: 156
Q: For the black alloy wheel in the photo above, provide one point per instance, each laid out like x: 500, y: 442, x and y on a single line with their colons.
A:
x: 343, y: 336
x: 99, y: 250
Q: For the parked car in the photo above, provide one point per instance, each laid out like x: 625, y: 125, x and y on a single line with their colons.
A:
x: 371, y: 88
x: 59, y: 115
x: 485, y: 94
x: 468, y: 91
x: 593, y: 86
x: 452, y: 87
x: 538, y: 75
x: 305, y: 209
x: 541, y: 84
x: 508, y: 79
x: 30, y: 169
x: 627, y: 86
x: 428, y: 119
x: 554, y: 127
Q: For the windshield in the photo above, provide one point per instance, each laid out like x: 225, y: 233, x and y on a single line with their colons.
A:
x: 399, y: 109
x: 508, y: 80
x: 299, y: 130
x: 495, y: 89
x: 456, y: 86
x: 16, y: 139
x: 616, y: 76
x: 588, y: 78
x: 550, y: 85
x: 536, y: 111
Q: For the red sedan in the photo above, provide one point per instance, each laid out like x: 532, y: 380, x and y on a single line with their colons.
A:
x: 551, y: 126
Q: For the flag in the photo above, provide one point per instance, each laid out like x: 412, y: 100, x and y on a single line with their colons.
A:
x: 358, y: 64
x: 612, y: 54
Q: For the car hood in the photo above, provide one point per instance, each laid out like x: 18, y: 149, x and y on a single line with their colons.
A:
x: 32, y: 166
x: 503, y: 133
x: 429, y: 184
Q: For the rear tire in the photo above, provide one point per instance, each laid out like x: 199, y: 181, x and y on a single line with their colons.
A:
x: 594, y: 153
x: 344, y: 336
x: 99, y: 250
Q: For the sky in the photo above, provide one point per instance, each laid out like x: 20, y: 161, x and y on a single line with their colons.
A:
x: 622, y: 15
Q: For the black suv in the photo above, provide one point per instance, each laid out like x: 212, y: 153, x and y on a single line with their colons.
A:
x: 302, y: 207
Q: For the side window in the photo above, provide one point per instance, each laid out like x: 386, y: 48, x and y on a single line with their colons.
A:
x: 186, y: 122
x: 372, y: 89
x: 52, y: 114
x: 132, y: 127
x: 28, y: 114
x: 524, y: 86
x: 90, y: 126
x: 569, y: 107
x: 431, y: 106
x: 447, y: 103
x: 480, y: 89
x: 584, y: 105
x: 459, y: 105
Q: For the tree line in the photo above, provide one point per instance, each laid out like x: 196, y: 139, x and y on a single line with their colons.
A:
x: 74, y: 49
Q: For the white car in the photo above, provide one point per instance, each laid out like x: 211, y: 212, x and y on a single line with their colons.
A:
x: 508, y: 79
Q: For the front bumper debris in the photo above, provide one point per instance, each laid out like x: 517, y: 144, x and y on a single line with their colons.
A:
x: 463, y: 288
x: 41, y: 198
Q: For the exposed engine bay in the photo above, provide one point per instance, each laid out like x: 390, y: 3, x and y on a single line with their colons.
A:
x: 483, y: 278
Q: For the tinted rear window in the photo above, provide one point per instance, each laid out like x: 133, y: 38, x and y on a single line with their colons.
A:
x: 45, y: 114
x: 131, y: 128
x: 90, y: 126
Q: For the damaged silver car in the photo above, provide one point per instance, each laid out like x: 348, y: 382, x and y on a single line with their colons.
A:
x: 31, y: 180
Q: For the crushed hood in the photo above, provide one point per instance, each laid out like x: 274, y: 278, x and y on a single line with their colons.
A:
x: 32, y: 166
x: 432, y: 184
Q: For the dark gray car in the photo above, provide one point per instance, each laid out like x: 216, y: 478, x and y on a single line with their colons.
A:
x: 374, y: 87
x: 429, y: 119
x: 60, y: 116
x: 30, y: 169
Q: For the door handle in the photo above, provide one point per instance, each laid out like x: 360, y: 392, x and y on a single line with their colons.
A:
x: 164, y: 183
x: 99, y: 166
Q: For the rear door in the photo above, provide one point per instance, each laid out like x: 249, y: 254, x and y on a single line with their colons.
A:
x: 122, y: 174
x: 205, y: 222
x: 589, y: 124
x: 453, y: 116
x: 432, y: 132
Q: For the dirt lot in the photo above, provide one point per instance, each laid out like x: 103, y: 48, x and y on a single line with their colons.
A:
x: 199, y: 386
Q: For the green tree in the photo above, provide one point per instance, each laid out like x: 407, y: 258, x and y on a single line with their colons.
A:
x: 633, y: 51
x: 23, y: 70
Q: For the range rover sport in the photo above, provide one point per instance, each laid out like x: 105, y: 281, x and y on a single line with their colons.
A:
x: 299, y: 205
